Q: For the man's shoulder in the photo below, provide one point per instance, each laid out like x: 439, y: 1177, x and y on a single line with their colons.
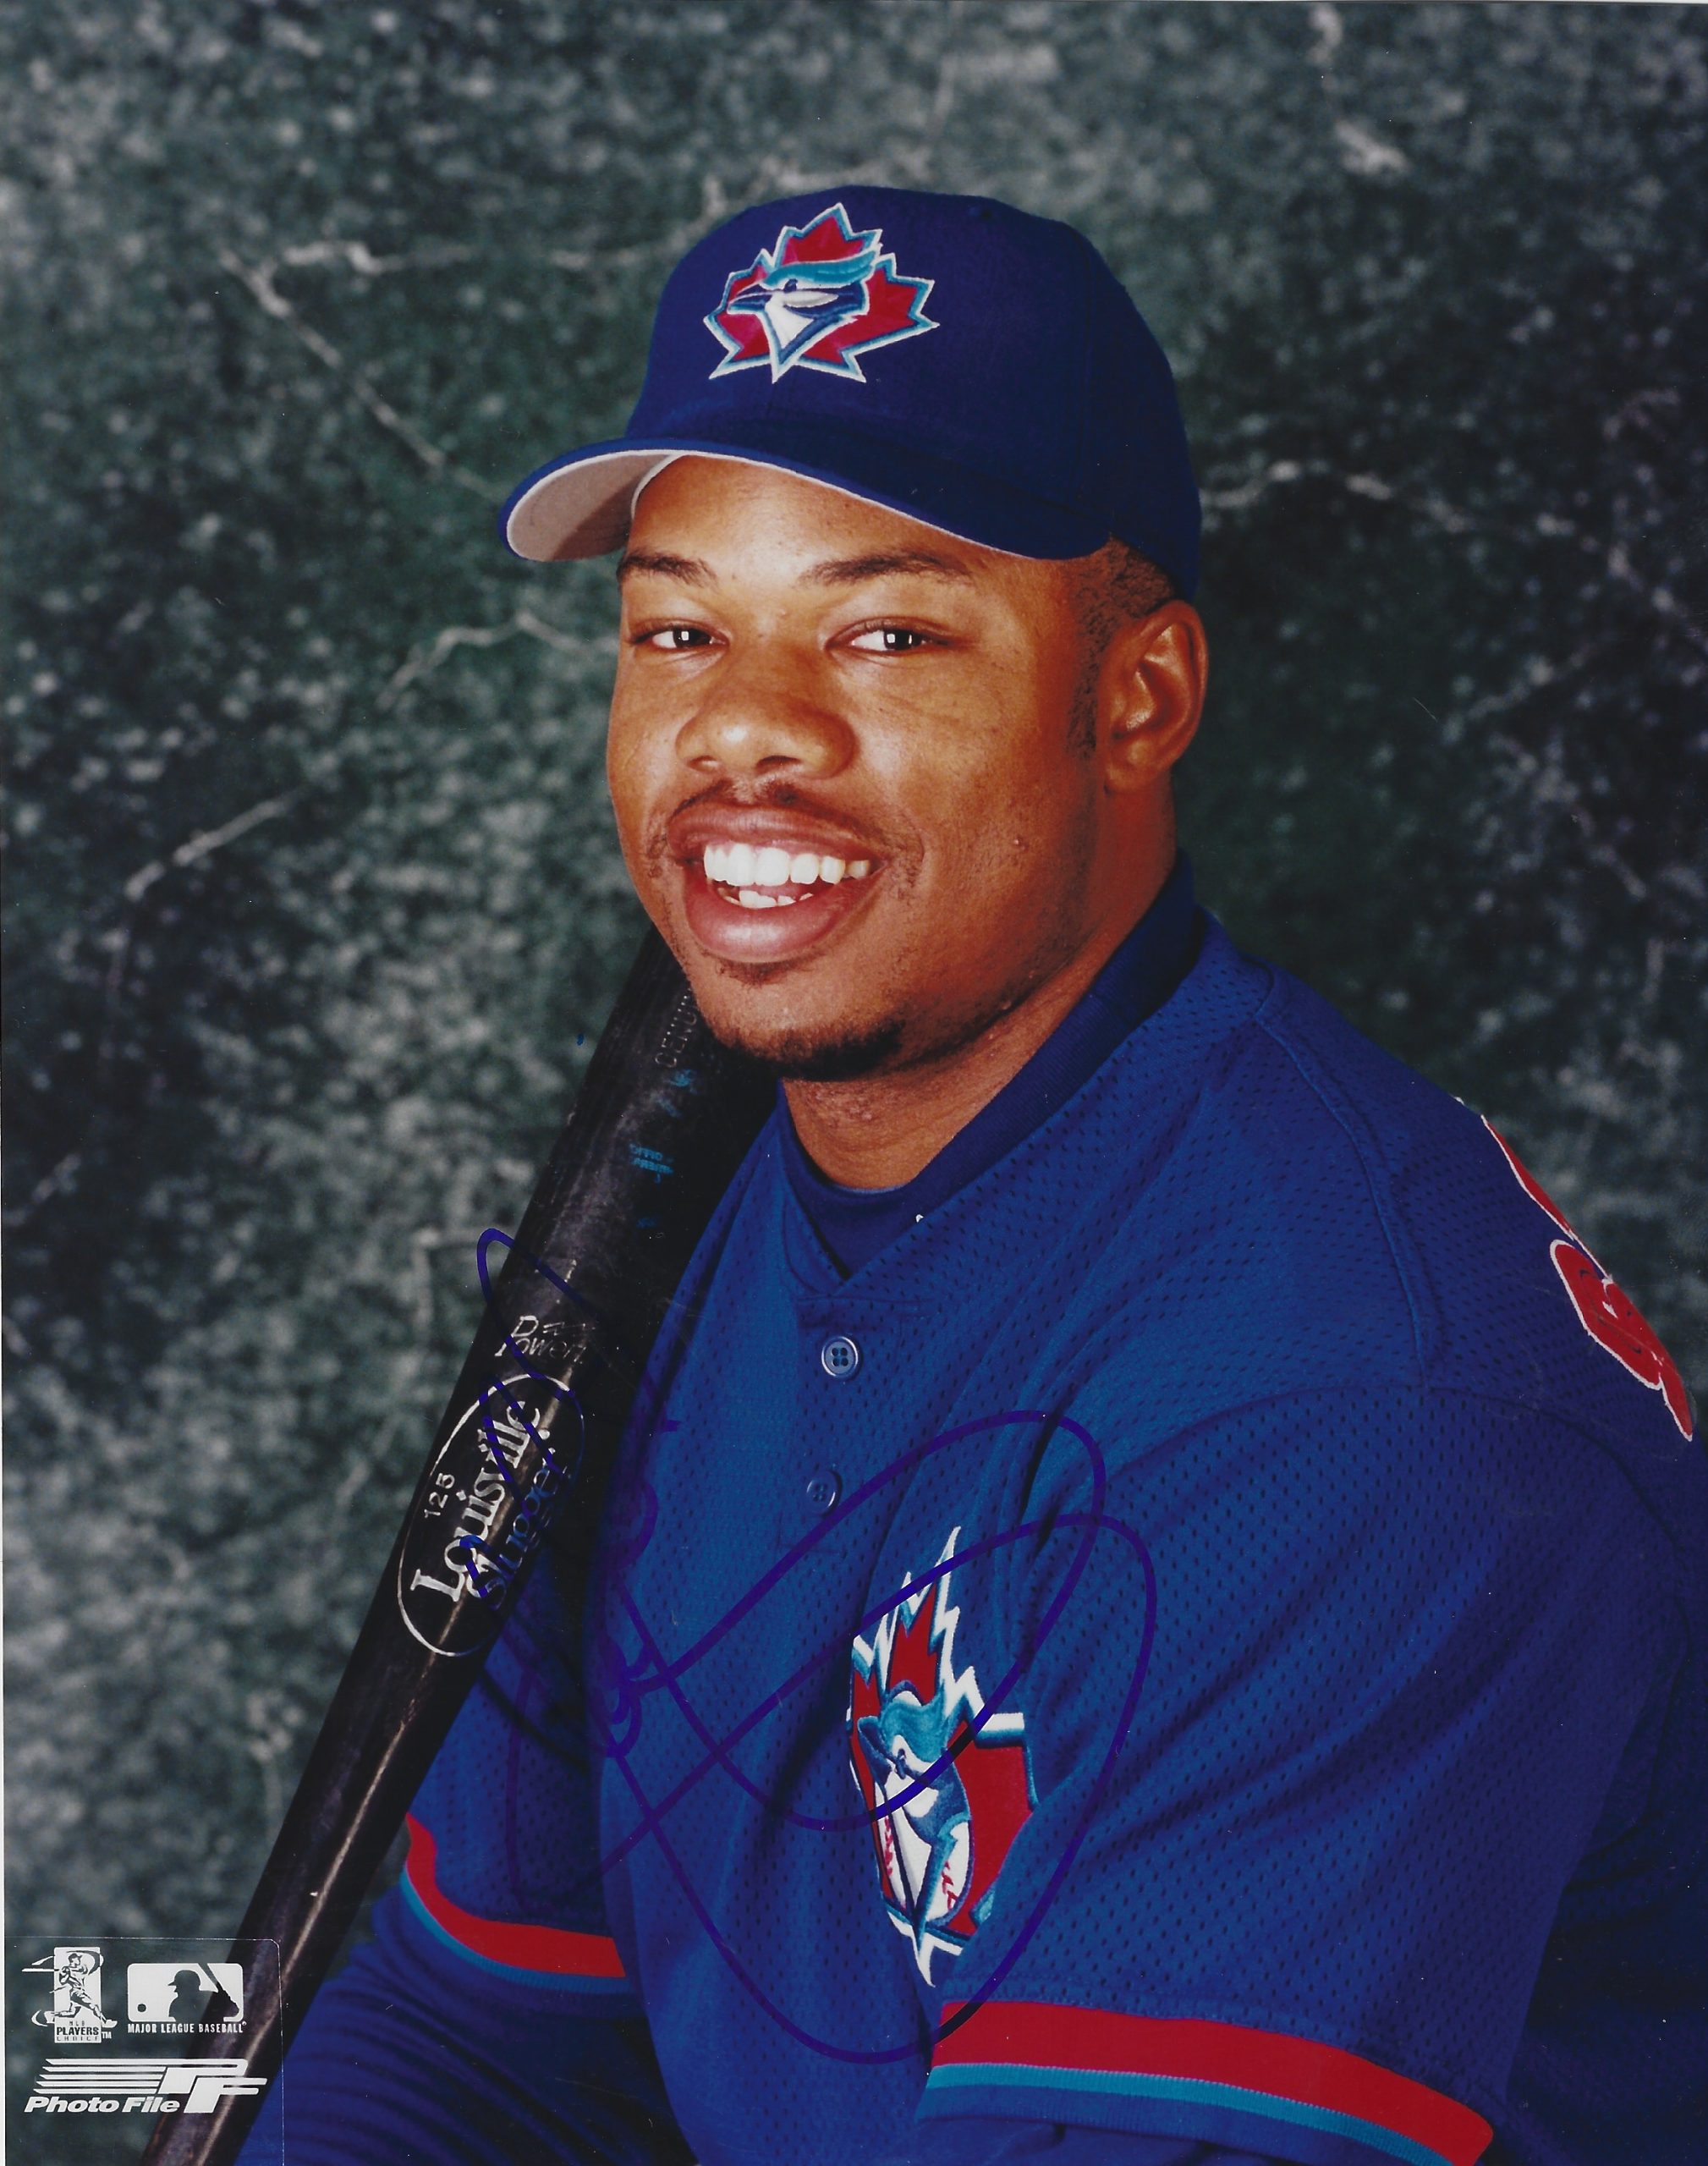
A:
x: 1323, y: 1214
x: 1259, y: 1149
x: 1303, y: 1079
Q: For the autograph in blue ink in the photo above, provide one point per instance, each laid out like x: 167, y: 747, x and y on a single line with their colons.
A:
x: 624, y: 1686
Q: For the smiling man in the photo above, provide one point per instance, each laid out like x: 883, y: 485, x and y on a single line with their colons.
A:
x: 893, y: 801
x: 1153, y: 1610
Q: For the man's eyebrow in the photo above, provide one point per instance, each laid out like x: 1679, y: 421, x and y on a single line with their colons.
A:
x: 849, y: 571
x: 690, y: 569
x: 834, y: 571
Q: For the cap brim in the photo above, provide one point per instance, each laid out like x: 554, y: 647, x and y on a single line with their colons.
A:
x: 580, y: 505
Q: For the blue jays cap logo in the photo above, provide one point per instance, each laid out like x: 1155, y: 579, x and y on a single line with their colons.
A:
x: 940, y: 1830
x: 819, y: 298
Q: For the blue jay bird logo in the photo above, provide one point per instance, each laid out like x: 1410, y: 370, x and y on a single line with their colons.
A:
x: 948, y: 1786
x: 819, y: 298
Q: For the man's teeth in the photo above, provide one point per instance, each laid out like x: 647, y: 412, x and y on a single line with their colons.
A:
x: 749, y: 871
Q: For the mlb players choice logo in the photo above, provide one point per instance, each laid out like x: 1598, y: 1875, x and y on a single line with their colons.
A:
x: 74, y: 2013
x: 1610, y: 1316
x: 940, y: 1841
x: 818, y: 298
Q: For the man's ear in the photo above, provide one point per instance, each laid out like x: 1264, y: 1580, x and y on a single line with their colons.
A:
x: 1150, y: 695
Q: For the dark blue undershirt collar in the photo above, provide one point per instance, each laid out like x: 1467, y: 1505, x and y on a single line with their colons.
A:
x: 855, y: 1224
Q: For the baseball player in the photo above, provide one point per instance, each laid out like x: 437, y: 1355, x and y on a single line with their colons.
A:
x: 1153, y: 1607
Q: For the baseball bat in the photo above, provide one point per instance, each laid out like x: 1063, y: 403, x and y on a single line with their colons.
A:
x: 526, y: 1442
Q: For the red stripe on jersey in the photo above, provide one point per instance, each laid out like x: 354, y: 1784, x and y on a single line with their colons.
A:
x: 525, y: 1948
x: 1031, y: 2034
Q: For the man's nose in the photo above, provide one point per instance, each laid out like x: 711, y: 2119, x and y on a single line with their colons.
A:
x: 764, y: 716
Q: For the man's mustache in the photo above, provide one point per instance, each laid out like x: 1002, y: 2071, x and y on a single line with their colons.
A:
x: 727, y: 808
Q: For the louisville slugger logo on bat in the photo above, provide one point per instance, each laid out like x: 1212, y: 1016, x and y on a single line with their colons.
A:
x: 504, y: 1465
x: 487, y: 1498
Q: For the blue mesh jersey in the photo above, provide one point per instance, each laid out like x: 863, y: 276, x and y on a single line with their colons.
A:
x: 1197, y: 1642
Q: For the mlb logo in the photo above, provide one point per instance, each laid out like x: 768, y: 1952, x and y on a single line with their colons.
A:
x: 184, y: 1995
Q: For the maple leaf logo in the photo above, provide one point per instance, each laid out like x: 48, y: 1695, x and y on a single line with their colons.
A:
x: 947, y: 1787
x: 819, y: 298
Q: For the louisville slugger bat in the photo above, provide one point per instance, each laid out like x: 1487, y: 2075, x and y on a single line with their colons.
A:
x: 526, y: 1442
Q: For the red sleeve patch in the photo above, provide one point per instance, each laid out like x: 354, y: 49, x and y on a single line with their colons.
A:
x: 1611, y: 1316
x: 1612, y: 1320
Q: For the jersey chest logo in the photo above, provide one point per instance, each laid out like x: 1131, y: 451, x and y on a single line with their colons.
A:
x: 948, y: 1786
x: 818, y: 298
x: 1610, y: 1316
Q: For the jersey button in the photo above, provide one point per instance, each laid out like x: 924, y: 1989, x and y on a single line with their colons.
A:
x: 823, y: 1489
x: 839, y: 1356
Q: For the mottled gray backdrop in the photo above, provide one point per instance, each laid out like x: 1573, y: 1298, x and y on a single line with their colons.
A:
x: 314, y: 902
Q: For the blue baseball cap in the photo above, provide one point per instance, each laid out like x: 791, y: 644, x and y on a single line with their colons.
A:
x: 956, y: 359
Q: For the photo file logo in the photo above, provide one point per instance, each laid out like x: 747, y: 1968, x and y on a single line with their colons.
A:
x: 132, y: 2086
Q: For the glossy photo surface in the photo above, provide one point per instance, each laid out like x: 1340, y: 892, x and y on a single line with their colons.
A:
x: 317, y: 903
